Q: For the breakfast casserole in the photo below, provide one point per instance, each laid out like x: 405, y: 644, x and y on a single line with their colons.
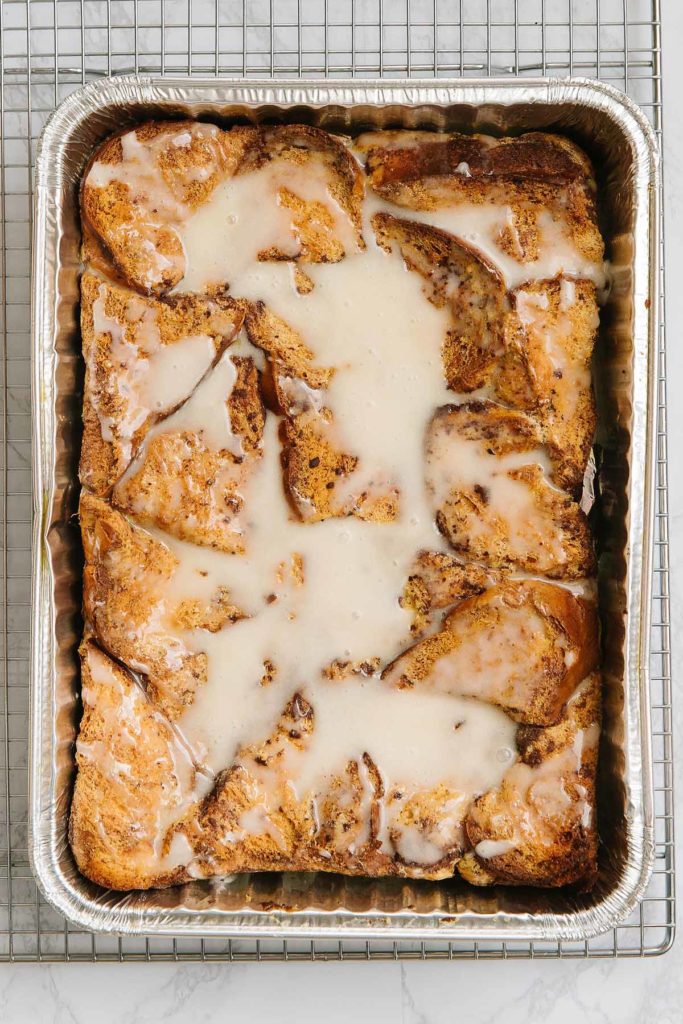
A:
x: 339, y: 585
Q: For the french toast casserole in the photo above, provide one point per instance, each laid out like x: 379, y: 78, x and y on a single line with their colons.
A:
x: 339, y: 584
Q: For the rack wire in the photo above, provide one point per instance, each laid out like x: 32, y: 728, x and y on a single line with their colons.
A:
x: 50, y: 47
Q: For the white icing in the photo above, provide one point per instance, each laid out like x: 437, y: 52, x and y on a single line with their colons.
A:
x: 206, y: 411
x: 245, y: 216
x: 416, y: 738
x: 488, y: 848
x: 354, y: 572
x: 175, y: 370
x: 567, y: 293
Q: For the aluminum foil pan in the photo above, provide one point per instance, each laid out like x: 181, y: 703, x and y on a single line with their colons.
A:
x: 619, y: 139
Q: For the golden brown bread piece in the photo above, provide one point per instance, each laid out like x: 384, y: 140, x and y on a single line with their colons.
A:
x: 395, y: 157
x: 533, y: 347
x: 538, y: 827
x: 245, y: 406
x: 286, y: 350
x: 124, y: 338
x: 523, y: 645
x: 302, y: 148
x: 132, y: 781
x: 140, y: 186
x: 316, y: 467
x: 186, y: 485
x: 220, y: 831
x: 448, y: 581
x: 438, y: 580
x: 492, y: 497
x: 547, y: 369
x: 461, y: 280
x: 126, y: 582
x: 187, y: 489
x: 535, y: 176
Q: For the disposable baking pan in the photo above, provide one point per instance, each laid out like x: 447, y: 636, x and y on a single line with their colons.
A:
x: 621, y: 143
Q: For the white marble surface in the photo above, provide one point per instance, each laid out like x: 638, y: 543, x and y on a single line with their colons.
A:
x: 552, y: 992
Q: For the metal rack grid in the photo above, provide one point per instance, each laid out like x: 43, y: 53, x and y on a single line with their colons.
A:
x: 50, y: 47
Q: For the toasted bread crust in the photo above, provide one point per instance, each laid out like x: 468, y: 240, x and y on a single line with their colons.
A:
x: 124, y: 579
x: 122, y: 333
x: 523, y: 645
x: 136, y: 223
x: 529, y: 174
x: 542, y: 814
x: 552, y: 538
x: 118, y: 799
x: 394, y: 157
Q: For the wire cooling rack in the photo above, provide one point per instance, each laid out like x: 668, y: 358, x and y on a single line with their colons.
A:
x: 50, y: 47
